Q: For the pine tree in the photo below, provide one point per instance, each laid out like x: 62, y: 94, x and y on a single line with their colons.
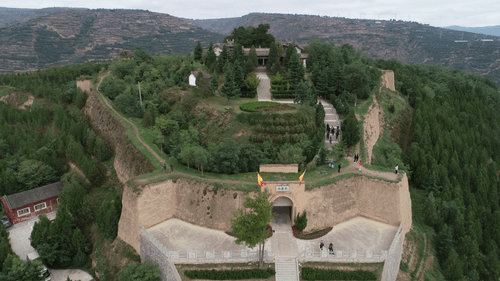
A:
x: 198, y: 52
x: 350, y: 130
x: 296, y: 69
x: 223, y: 58
x: 290, y: 50
x: 229, y: 89
x: 211, y: 56
x: 238, y: 75
x: 252, y: 60
x: 273, y: 57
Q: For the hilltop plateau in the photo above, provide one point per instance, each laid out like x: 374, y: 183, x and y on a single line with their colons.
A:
x: 409, y: 42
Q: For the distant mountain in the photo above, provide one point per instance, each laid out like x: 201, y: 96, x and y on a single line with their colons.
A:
x: 409, y: 42
x: 487, y: 30
x: 77, y: 36
x: 13, y: 16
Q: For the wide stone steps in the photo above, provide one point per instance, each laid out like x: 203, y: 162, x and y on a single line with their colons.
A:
x: 286, y: 269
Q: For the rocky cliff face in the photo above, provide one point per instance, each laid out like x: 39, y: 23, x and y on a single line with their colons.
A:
x: 129, y: 161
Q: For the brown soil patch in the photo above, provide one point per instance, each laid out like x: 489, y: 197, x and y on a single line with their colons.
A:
x: 388, y: 80
x: 239, y: 134
x: 86, y: 85
x: 372, y: 127
x: 16, y: 99
x: 75, y: 168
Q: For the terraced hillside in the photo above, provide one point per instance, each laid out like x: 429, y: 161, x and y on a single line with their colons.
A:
x: 82, y: 35
x: 409, y: 42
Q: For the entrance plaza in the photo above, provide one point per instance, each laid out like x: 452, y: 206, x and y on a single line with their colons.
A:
x: 355, y: 234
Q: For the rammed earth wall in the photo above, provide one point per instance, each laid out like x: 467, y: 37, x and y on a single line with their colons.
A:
x: 129, y: 161
x: 199, y: 204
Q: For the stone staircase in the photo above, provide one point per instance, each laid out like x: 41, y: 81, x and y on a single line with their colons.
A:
x: 331, y: 118
x: 286, y: 268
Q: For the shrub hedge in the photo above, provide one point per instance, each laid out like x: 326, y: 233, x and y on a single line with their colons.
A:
x: 230, y: 274
x: 252, y: 106
x: 309, y: 273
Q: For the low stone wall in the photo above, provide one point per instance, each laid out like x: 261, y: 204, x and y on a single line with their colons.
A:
x: 344, y: 256
x: 391, y: 265
x: 390, y: 258
x: 155, y: 252
x: 279, y: 168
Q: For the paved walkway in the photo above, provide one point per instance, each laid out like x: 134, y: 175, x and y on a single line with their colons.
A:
x: 356, y: 234
x: 264, y: 89
x: 332, y: 119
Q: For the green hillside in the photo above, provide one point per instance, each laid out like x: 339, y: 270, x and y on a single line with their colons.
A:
x: 442, y: 124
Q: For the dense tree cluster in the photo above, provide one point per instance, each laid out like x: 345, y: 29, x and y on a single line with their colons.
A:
x: 340, y: 74
x: 252, y: 37
x: 454, y: 158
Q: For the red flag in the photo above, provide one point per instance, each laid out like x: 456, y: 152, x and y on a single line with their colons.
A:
x: 260, y: 180
x: 301, y: 177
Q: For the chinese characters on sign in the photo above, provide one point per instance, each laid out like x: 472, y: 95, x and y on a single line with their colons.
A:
x: 282, y: 188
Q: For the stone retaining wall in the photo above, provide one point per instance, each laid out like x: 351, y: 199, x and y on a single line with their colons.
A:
x: 155, y: 252
x: 391, y: 265
x: 279, y: 168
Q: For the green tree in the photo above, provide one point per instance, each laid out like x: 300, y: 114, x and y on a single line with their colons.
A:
x: 225, y: 158
x: 252, y: 60
x: 230, y: 89
x: 301, y: 221
x: 214, y: 84
x: 198, y: 52
x: 211, y: 56
x: 273, y: 57
x: 32, y: 173
x: 16, y: 269
x: 350, y: 130
x: 223, y: 58
x: 296, y: 69
x: 72, y: 197
x: 108, y: 218
x: 250, y: 224
x: 304, y: 94
x: 146, y: 271
x: 290, y: 50
x: 290, y: 154
x: 252, y: 82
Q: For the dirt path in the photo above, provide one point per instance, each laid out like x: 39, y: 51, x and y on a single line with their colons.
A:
x: 374, y: 122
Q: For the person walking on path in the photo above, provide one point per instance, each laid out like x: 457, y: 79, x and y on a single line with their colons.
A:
x: 337, y: 134
x: 164, y: 167
x: 396, y: 169
x: 327, y: 134
x: 171, y: 168
x: 321, y: 245
x: 360, y: 164
x: 340, y: 166
x: 330, y: 140
x: 330, y: 249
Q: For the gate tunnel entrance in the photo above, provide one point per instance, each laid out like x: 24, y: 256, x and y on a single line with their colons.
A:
x: 282, y: 210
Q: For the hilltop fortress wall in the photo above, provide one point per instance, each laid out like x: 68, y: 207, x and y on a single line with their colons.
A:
x: 129, y: 161
x: 201, y: 204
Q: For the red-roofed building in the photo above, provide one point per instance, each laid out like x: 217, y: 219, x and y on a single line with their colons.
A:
x: 28, y: 204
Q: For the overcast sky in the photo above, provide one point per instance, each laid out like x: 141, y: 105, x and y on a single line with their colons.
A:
x: 441, y: 13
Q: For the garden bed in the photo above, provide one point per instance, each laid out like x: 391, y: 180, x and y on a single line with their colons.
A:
x: 310, y: 235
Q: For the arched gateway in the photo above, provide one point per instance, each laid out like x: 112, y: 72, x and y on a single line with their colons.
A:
x: 288, y: 198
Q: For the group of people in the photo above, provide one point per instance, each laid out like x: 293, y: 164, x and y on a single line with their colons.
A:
x: 330, y: 247
x: 165, y: 168
x: 330, y: 132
